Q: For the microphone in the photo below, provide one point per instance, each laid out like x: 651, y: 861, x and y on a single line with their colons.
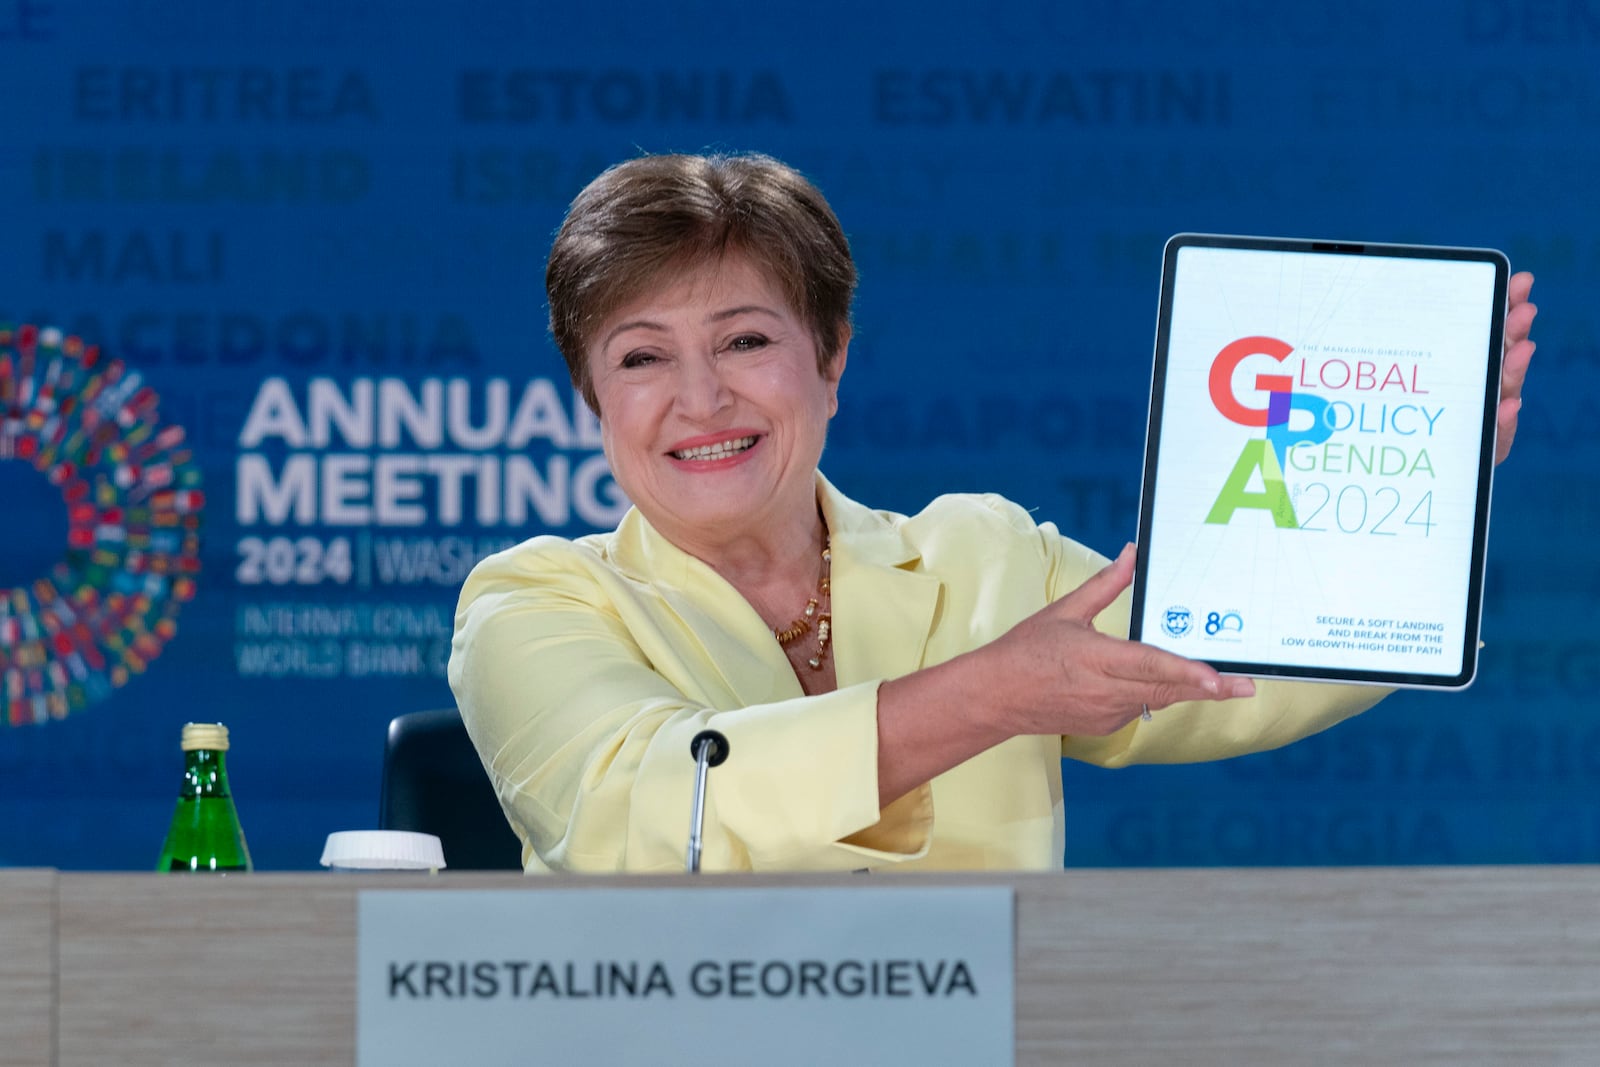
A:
x: 709, y: 748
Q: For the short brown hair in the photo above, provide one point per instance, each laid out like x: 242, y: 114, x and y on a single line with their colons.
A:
x: 647, y: 216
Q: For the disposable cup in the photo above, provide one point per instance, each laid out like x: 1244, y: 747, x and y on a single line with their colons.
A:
x: 382, y: 850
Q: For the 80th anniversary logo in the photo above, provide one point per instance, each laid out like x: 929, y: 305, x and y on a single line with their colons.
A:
x: 90, y: 425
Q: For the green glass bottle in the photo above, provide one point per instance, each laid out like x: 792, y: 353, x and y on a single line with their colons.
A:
x: 204, y: 836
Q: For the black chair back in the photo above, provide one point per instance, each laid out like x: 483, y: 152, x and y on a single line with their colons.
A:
x: 434, y: 783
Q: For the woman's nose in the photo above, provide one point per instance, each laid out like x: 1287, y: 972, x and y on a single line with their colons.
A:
x: 702, y: 390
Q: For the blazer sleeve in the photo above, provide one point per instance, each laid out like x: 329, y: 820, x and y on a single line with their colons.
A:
x: 1279, y: 713
x: 588, y: 745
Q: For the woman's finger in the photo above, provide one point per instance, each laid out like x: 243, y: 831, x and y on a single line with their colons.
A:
x: 1518, y: 288
x: 1161, y: 678
x: 1100, y: 589
x: 1519, y: 324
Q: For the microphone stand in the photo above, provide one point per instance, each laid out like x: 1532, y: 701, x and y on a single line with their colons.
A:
x: 709, y: 748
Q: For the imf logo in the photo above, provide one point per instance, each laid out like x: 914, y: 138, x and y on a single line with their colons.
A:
x: 1177, y: 621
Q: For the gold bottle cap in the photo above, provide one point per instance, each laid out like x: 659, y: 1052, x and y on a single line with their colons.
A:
x: 207, y: 735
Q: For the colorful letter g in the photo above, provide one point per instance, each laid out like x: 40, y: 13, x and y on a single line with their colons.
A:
x: 1221, y: 380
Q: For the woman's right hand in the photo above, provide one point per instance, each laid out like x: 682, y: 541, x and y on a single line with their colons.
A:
x: 1056, y: 674
x: 1052, y: 673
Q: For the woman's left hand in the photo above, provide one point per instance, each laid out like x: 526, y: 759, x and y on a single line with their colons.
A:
x: 1519, y: 350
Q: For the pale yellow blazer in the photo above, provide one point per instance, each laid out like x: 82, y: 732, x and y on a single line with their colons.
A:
x: 583, y: 668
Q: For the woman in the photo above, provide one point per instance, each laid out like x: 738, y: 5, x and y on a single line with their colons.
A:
x: 896, y: 691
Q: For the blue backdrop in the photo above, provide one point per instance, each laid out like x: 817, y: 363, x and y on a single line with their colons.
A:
x: 313, y: 237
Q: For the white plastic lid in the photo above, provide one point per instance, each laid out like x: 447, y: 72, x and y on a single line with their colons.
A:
x: 383, y: 850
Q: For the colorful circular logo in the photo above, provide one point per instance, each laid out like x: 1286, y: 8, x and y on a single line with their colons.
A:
x: 133, y: 498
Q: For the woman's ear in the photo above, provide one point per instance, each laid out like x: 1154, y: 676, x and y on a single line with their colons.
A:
x: 835, y: 371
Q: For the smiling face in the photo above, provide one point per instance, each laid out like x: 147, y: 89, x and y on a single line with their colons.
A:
x: 712, y: 408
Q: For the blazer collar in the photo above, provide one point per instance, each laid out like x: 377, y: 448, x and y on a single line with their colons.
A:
x: 884, y: 604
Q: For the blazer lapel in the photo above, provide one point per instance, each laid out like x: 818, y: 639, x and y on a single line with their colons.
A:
x: 883, y: 608
x: 709, y: 616
x: 734, y: 640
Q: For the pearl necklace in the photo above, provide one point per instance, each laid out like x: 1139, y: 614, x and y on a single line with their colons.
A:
x: 814, y: 610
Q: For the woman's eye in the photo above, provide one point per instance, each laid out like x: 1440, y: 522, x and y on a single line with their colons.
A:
x: 638, y: 359
x: 747, y: 342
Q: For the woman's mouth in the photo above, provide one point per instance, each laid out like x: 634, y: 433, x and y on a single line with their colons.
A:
x: 720, y: 450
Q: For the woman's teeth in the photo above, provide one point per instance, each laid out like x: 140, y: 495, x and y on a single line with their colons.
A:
x: 719, y: 450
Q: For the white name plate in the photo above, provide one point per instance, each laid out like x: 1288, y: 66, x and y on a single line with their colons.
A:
x: 703, y: 976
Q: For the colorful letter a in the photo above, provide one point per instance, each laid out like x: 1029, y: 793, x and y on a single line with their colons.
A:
x: 1274, y: 498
